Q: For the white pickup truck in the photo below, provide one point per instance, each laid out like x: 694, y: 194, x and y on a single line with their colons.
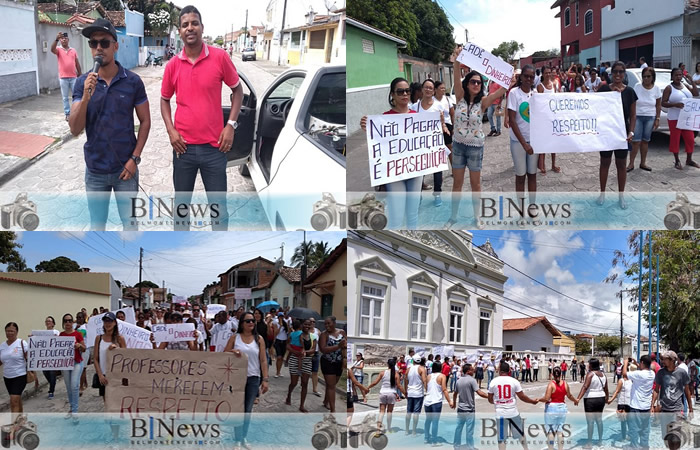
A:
x: 291, y: 141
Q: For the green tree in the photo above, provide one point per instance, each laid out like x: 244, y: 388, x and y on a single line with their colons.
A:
x: 435, y: 39
x: 610, y: 345
x: 146, y: 284
x: 679, y: 261
x: 219, y: 40
x: 583, y: 347
x: 393, y: 16
x: 60, y: 264
x: 111, y: 5
x: 507, y: 50
x: 316, y: 253
x: 9, y: 246
x: 19, y: 265
x: 546, y: 54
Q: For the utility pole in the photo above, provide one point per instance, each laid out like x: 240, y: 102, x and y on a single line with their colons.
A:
x: 639, y: 308
x: 140, y: 272
x: 651, y: 283
x: 303, y: 271
x: 622, y: 348
x: 284, y: 14
x: 245, y: 30
x: 658, y: 328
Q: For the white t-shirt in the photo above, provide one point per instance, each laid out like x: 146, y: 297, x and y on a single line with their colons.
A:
x: 646, y: 100
x: 642, y: 384
x: 435, y: 107
x: 684, y: 366
x: 644, y: 66
x: 592, y: 85
x: 446, y: 104
x: 696, y: 77
x: 282, y: 334
x: 219, y: 328
x: 535, y: 364
x: 12, y: 358
x: 504, y: 390
x: 519, y: 102
x: 234, y: 323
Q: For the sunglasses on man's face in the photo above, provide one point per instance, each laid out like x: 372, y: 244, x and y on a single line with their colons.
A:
x: 402, y: 91
x: 104, y: 43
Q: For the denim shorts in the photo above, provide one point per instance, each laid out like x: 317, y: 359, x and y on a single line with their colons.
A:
x: 643, y: 128
x: 522, y: 162
x: 509, y: 428
x: 467, y: 156
x: 414, y: 404
x: 555, y: 416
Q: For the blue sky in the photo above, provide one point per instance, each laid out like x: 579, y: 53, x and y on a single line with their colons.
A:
x: 185, y: 261
x: 491, y: 22
x: 572, y: 262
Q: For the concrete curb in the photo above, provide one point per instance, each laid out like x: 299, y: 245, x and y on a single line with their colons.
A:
x: 17, y: 168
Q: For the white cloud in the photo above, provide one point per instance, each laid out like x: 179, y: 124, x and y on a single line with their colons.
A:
x: 491, y: 22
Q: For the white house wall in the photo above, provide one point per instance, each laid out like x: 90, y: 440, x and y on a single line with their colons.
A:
x: 18, y: 52
x: 396, y: 311
x: 532, y: 339
x: 280, y: 289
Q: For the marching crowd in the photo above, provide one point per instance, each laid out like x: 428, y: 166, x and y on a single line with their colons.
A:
x: 269, y: 339
x: 462, y: 120
x: 642, y: 388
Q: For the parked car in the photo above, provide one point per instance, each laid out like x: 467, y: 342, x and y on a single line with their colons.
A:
x: 663, y: 79
x: 248, y: 54
x: 292, y: 141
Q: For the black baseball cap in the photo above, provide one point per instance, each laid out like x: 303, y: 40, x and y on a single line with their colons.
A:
x: 100, y: 25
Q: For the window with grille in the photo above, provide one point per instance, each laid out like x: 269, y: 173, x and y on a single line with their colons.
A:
x: 419, y: 317
x: 371, y: 309
x: 484, y: 327
x: 588, y: 22
x: 567, y: 17
x: 456, y: 321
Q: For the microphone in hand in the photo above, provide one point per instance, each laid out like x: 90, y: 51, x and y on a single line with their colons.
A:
x: 96, y: 67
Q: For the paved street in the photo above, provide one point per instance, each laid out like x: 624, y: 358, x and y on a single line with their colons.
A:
x: 63, y: 168
x: 579, y: 171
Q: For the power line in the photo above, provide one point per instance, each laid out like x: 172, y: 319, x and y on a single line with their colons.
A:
x: 450, y: 14
x: 69, y: 234
x: 439, y: 273
x: 113, y: 247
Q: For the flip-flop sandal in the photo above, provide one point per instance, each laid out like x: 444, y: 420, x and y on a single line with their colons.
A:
x: 630, y: 169
x: 648, y: 169
x: 556, y: 169
x: 693, y: 164
x: 678, y: 165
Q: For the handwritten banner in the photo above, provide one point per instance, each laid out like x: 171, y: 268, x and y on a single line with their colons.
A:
x: 44, y: 333
x: 178, y: 332
x: 174, y: 382
x: 220, y: 339
x: 135, y: 337
x: 129, y: 315
x: 403, y: 146
x: 493, y: 67
x: 51, y: 352
x: 689, y: 118
x: 571, y: 122
x: 214, y: 309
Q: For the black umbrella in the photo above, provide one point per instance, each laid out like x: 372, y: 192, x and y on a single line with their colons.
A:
x: 305, y: 313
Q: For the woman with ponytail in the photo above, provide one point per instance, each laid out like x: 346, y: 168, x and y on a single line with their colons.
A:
x: 555, y: 408
x: 387, y: 395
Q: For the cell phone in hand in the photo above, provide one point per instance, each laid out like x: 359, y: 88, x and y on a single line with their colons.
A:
x: 65, y: 35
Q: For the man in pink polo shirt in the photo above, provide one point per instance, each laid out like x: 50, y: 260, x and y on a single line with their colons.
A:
x: 68, y: 69
x: 199, y: 138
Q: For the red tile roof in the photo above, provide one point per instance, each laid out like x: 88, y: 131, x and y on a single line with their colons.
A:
x: 117, y: 18
x: 523, y: 323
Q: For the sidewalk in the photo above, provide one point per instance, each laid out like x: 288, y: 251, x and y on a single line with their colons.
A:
x: 33, y: 126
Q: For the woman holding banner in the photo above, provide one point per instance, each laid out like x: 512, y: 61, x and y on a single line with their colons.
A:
x: 629, y: 110
x: 673, y: 97
x: 72, y: 377
x: 428, y: 103
x: 648, y: 113
x: 547, y: 86
x: 401, y: 205
x: 176, y: 318
x: 109, y: 340
x: 524, y: 158
x: 13, y: 355
x: 50, y: 375
x: 248, y: 342
x: 468, y: 146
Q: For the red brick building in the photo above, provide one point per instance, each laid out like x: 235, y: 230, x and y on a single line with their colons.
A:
x: 541, y: 62
x: 580, y: 24
x: 254, y: 274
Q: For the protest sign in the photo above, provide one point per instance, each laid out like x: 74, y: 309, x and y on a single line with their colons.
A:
x: 178, y: 383
x: 51, y: 352
x: 419, y: 352
x: 177, y: 332
x: 689, y: 118
x: 220, y: 339
x: 129, y: 315
x: 449, y: 350
x: 438, y: 350
x: 44, y: 333
x: 403, y: 146
x: 212, y: 310
x: 135, y: 337
x: 493, y: 67
x: 571, y: 122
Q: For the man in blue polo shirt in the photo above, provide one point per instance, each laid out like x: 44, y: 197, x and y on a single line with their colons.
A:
x: 103, y: 105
